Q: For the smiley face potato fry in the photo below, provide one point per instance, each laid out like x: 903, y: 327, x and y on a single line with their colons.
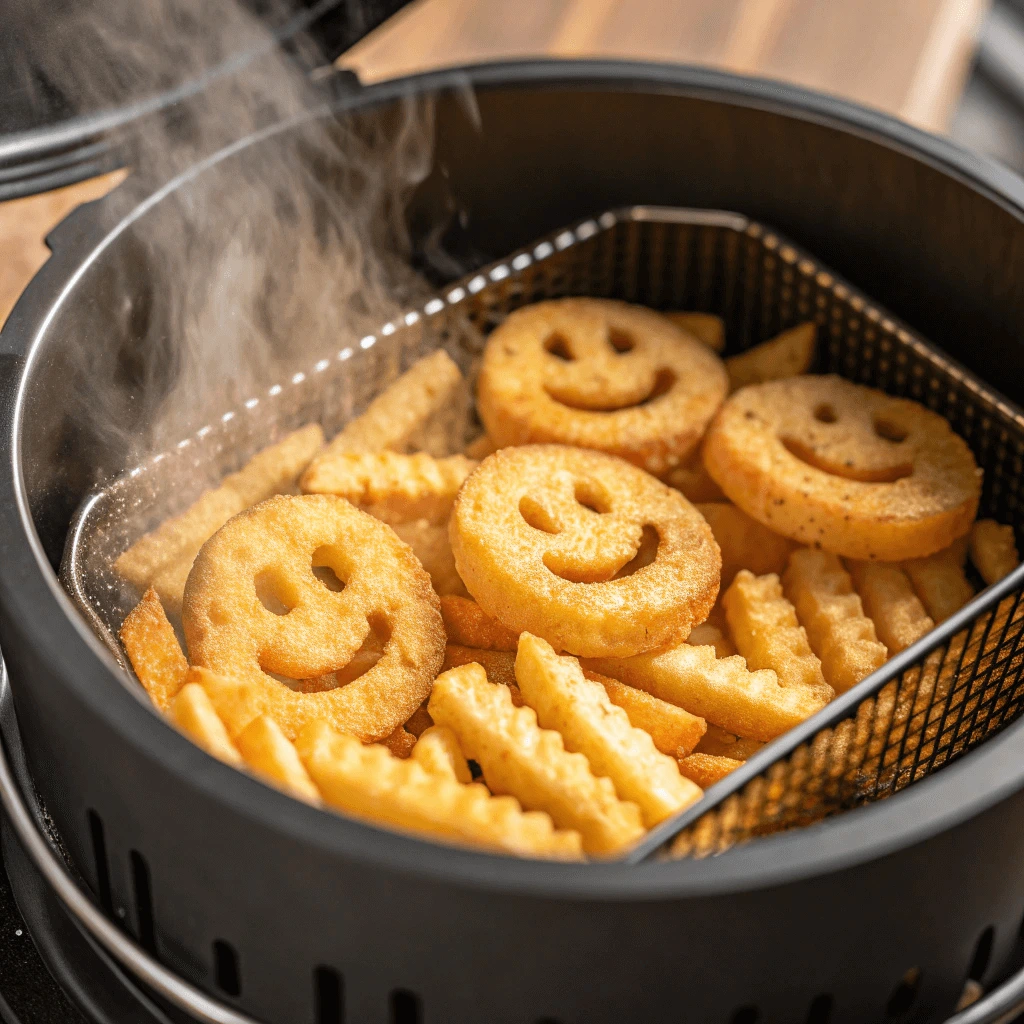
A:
x: 599, y: 374
x: 541, y: 534
x: 844, y: 468
x: 254, y: 606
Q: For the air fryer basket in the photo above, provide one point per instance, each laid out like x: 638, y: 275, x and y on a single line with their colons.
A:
x: 287, y: 913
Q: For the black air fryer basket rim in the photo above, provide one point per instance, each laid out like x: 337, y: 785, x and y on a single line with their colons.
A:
x: 36, y: 612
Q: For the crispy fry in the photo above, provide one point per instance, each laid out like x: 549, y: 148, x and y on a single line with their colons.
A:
x: 590, y: 724
x: 420, y: 721
x: 939, y: 581
x: 993, y: 550
x: 153, y: 650
x: 431, y: 546
x: 675, y: 732
x: 787, y: 355
x: 499, y: 665
x: 193, y: 713
x: 890, y: 602
x: 480, y: 447
x: 519, y: 758
x: 840, y: 633
x: 705, y: 327
x: 393, y: 487
x: 269, y: 753
x: 726, y: 692
x: 438, y: 751
x: 766, y: 631
x: 713, y: 632
x: 163, y: 557
x: 400, y: 742
x: 720, y: 743
x: 469, y: 626
x: 707, y: 769
x: 368, y: 782
x: 693, y: 479
x: 745, y: 543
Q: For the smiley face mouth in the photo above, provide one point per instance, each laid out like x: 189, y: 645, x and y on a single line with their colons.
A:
x: 847, y: 469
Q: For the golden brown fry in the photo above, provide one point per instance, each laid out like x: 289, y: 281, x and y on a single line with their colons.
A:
x: 713, y: 632
x: 890, y: 602
x: 499, y: 665
x: 840, y: 633
x: 370, y: 783
x: 480, y: 447
x: 400, y: 742
x: 153, y: 650
x: 193, y: 713
x: 420, y: 721
x: 993, y: 550
x: 675, y: 732
x: 269, y: 753
x: 590, y: 724
x: 426, y: 409
x: 705, y: 327
x: 694, y: 480
x: 431, y: 546
x: 393, y: 487
x: 438, y: 751
x: 519, y: 758
x: 720, y: 743
x: 468, y: 625
x: 766, y: 631
x: 163, y: 557
x: 707, y: 769
x: 726, y: 692
x: 787, y: 355
x: 745, y: 543
x: 939, y: 581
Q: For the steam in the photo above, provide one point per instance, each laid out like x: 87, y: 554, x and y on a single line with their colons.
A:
x: 285, y: 251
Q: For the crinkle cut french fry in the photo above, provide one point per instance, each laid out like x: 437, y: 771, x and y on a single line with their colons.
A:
x: 720, y: 743
x: 993, y: 550
x: 370, y: 783
x: 430, y: 544
x: 707, y: 769
x: 830, y: 610
x: 675, y: 732
x: 940, y: 583
x: 787, y: 355
x: 590, y: 724
x: 468, y: 625
x: 153, y: 650
x: 193, y: 713
x: 744, y: 542
x: 500, y: 666
x: 269, y: 753
x: 394, y: 487
x: 438, y: 751
x: 890, y: 602
x: 519, y: 758
x: 764, y: 627
x: 725, y: 692
x: 705, y: 327
x: 713, y: 632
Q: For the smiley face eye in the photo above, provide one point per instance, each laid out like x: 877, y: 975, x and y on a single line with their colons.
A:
x: 621, y: 341
x: 558, y: 346
x: 889, y: 431
x: 824, y: 413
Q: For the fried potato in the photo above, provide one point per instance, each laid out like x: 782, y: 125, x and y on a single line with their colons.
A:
x: 841, y: 635
x: 469, y: 626
x: 153, y: 650
x: 194, y: 715
x: 521, y: 759
x: 370, y: 783
x: 707, y: 769
x: 719, y: 743
x: 744, y: 542
x: 438, y: 751
x: 480, y: 447
x: 787, y: 355
x: 500, y: 666
x: 939, y: 581
x: 675, y: 732
x: 705, y: 327
x: 269, y: 753
x: 400, y: 742
x: 431, y: 546
x: 426, y: 409
x: 993, y: 550
x: 725, y: 692
x: 713, y: 632
x: 590, y: 724
x: 692, y: 478
x: 420, y: 721
x: 393, y: 487
x: 890, y: 602
x: 163, y: 557
x: 766, y: 631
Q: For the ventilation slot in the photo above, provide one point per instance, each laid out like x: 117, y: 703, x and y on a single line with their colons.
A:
x: 820, y: 1010
x: 904, y: 994
x: 405, y: 1007
x: 329, y: 993
x: 225, y: 968
x: 982, y: 955
x: 99, y: 856
x: 744, y: 1015
x: 143, y: 902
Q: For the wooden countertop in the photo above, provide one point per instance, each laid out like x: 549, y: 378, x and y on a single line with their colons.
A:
x: 907, y: 57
